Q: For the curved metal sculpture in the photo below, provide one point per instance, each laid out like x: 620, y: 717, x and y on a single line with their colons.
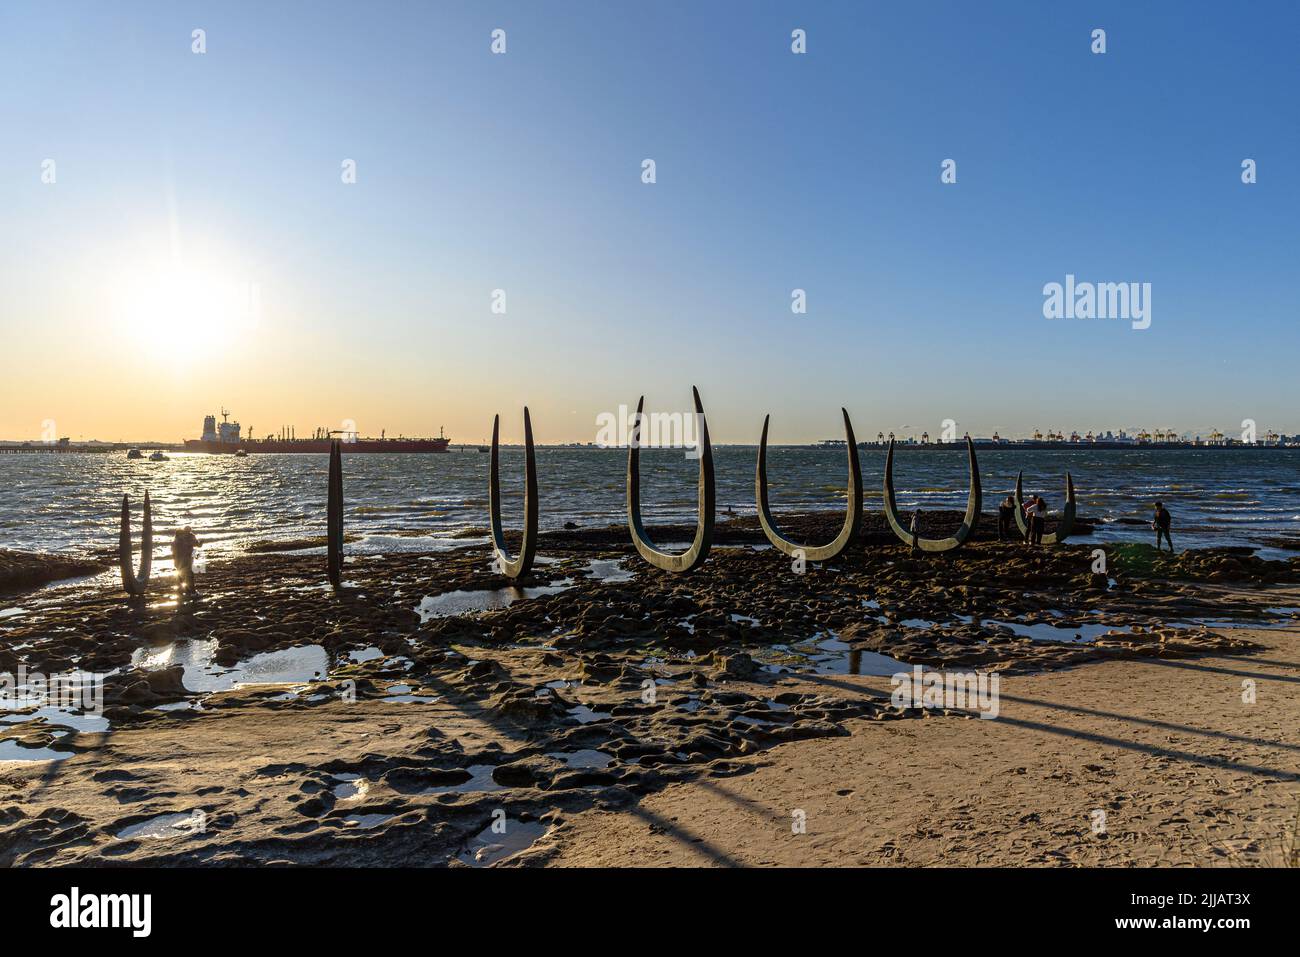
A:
x: 694, y: 556
x: 334, y: 516
x: 135, y: 585
x: 514, y: 567
x: 1063, y: 527
x: 974, y: 502
x: 852, y: 520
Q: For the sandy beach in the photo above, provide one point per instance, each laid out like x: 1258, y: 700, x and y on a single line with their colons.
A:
x: 1186, y: 774
x: 614, y: 715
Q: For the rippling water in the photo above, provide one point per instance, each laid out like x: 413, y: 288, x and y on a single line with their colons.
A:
x: 70, y: 502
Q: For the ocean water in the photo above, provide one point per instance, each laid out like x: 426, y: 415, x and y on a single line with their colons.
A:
x: 71, y: 502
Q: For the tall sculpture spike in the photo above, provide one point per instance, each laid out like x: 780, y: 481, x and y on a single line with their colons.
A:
x: 852, y: 518
x: 133, y: 584
x: 696, y: 555
x: 334, y: 516
x: 974, y: 502
x: 514, y: 567
x: 1063, y: 527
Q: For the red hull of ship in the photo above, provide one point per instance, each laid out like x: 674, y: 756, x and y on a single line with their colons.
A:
x: 318, y: 445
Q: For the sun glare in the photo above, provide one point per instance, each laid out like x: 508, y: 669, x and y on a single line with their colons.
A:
x: 181, y: 313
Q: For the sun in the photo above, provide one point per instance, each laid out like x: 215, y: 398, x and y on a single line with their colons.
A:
x: 180, y: 312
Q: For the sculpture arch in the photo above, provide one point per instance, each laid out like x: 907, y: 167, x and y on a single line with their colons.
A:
x: 698, y: 552
x: 1063, y: 527
x: 514, y: 567
x: 974, y: 502
x: 852, y: 519
x: 334, y: 517
x: 134, y: 584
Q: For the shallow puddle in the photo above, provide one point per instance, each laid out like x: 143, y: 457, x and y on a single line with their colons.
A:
x: 368, y: 820
x: 852, y: 662
x: 1070, y: 634
x: 63, y: 717
x: 487, y: 848
x: 350, y: 787
x: 453, y: 603
x: 202, y: 674
x: 401, y: 694
x: 480, y: 780
x: 585, y: 759
x: 609, y: 570
x: 165, y: 826
x: 11, y: 750
x: 585, y: 715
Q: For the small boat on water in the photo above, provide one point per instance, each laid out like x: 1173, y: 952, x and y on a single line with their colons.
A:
x: 158, y: 456
x: 135, y: 454
x: 241, y: 453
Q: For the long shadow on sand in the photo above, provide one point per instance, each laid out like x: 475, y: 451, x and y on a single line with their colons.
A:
x: 1109, y: 741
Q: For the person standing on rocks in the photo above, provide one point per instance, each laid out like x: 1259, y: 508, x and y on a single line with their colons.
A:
x: 1038, y: 521
x: 1161, y: 524
x: 1005, y: 512
x: 183, y: 545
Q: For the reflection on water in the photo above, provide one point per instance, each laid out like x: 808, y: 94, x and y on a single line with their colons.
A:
x: 165, y: 826
x: 1073, y: 634
x: 488, y: 847
x: 480, y: 780
x: 489, y: 599
x: 416, y: 502
x: 203, y: 674
x: 585, y: 759
x: 853, y: 662
x: 13, y: 751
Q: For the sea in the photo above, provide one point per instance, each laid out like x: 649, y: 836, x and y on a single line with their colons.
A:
x: 71, y: 502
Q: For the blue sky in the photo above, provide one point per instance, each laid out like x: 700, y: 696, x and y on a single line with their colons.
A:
x: 775, y: 171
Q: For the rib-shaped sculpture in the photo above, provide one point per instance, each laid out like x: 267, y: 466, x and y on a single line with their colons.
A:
x: 694, y: 556
x: 1063, y: 527
x: 334, y: 516
x: 135, y: 585
x: 514, y: 567
x: 974, y: 502
x: 852, y: 520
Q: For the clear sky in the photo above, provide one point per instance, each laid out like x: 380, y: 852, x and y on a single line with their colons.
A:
x: 187, y: 186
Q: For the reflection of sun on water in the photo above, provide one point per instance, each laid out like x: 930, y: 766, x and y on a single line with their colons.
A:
x: 181, y: 313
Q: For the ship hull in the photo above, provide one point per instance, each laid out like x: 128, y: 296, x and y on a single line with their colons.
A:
x: 322, y: 446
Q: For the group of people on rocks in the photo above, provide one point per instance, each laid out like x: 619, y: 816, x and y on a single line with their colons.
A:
x: 1035, y: 510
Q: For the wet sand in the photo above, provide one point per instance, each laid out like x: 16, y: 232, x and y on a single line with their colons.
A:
x: 611, y: 714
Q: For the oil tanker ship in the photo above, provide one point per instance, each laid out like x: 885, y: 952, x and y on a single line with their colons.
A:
x: 224, y: 438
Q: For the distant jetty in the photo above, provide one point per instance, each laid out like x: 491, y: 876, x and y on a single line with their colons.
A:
x: 1032, y: 444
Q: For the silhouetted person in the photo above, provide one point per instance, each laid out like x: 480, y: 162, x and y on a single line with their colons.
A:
x: 183, y: 545
x: 1161, y: 525
x: 1006, y: 513
x: 1037, y: 521
x: 916, y: 531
